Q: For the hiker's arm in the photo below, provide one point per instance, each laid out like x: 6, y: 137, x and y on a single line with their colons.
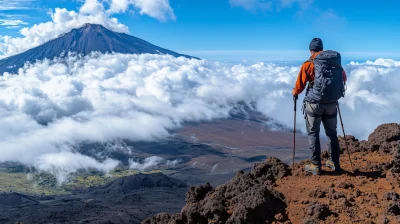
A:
x: 302, y: 79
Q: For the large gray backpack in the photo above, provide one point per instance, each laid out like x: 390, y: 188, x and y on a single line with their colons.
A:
x: 328, y: 85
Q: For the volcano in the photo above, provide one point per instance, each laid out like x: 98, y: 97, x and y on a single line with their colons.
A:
x: 84, y: 40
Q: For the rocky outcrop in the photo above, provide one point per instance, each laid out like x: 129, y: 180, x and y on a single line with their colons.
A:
x: 247, y: 198
x: 396, y: 161
x: 270, y: 194
x: 385, y: 139
x: 317, y: 211
x: 354, y: 145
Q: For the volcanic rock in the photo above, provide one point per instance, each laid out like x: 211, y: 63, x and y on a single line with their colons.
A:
x: 196, y: 194
x: 353, y: 144
x: 335, y: 195
x: 272, y: 169
x: 15, y: 199
x: 393, y: 208
x: 317, y: 193
x: 396, y: 161
x: 385, y: 137
x: 345, y: 184
x: 392, y: 195
x: 318, y: 210
x: 165, y: 218
x: 244, y: 199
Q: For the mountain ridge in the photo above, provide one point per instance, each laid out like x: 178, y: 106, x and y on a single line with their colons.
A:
x: 84, y: 40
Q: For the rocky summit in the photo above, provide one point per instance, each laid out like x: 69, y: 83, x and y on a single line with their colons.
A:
x: 273, y: 193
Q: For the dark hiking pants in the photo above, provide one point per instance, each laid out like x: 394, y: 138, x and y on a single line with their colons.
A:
x: 327, y: 113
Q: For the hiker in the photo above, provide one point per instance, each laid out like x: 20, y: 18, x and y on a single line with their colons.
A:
x: 326, y: 85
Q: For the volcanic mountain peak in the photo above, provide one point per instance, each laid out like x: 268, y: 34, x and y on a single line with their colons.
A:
x: 84, y: 40
x: 92, y: 26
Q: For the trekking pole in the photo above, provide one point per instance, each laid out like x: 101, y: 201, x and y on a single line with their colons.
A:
x: 345, y: 139
x: 294, y: 131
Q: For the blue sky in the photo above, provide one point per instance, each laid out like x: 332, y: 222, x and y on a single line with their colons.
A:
x: 246, y: 29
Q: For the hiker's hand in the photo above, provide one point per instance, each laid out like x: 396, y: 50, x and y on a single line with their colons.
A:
x: 295, y: 97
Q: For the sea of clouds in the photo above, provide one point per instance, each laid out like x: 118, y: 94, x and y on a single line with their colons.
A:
x: 51, y: 106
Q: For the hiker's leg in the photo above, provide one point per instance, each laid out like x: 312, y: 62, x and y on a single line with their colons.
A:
x: 313, y: 123
x: 329, y: 120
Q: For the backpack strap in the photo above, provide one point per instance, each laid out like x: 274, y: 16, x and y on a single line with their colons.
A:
x: 310, y: 60
x: 310, y: 85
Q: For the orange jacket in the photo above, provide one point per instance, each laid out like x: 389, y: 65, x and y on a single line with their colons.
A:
x: 307, y: 74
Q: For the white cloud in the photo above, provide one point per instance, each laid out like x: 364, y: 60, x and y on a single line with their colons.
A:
x: 51, y: 107
x: 148, y: 163
x: 92, y: 11
x: 13, y: 21
x: 7, y: 22
x: 62, y: 22
x: 16, y: 4
x: 152, y: 163
x: 91, y: 7
x: 63, y: 163
x: 159, y: 9
x: 12, y: 27
x: 173, y: 163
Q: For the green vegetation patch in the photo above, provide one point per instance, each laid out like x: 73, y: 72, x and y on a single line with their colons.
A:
x: 34, y: 183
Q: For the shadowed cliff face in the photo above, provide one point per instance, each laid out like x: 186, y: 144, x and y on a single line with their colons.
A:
x: 87, y: 39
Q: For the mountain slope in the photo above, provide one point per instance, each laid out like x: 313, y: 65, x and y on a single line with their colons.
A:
x: 274, y: 193
x: 84, y: 40
x: 126, y: 200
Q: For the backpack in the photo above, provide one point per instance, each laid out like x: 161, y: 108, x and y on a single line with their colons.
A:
x: 328, y: 85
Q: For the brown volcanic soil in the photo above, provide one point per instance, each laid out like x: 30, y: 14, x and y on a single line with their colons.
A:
x: 239, y: 133
x: 270, y: 194
x: 244, y: 142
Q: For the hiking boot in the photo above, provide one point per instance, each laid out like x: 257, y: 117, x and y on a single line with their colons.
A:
x: 331, y: 165
x: 313, y: 169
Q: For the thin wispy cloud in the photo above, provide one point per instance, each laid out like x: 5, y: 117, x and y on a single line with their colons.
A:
x: 269, y: 5
x: 301, y: 3
x: 6, y: 15
x: 16, y: 4
x: 252, y: 5
x: 13, y: 27
x: 12, y: 23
